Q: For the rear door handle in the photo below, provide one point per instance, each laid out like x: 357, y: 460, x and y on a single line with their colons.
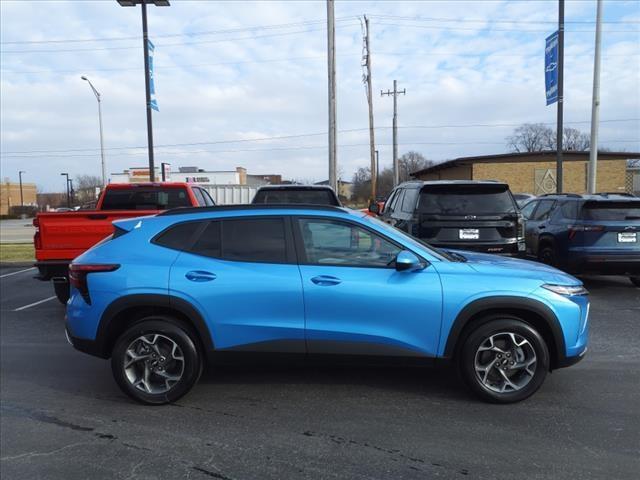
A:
x: 200, y: 276
x: 326, y: 280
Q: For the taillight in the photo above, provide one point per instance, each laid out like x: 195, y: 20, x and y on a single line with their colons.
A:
x: 37, y: 240
x: 573, y: 229
x: 78, y: 276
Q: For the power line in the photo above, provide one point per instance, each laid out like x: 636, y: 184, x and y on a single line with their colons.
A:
x: 302, y: 135
x: 468, y: 20
x: 480, y: 28
x: 169, y: 35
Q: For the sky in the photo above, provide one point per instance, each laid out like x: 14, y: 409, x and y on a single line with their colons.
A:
x: 245, y: 83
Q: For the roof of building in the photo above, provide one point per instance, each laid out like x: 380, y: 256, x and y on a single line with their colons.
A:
x: 545, y: 156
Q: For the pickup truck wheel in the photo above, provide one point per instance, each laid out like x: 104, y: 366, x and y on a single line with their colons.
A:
x: 62, y: 291
x: 156, y: 361
x: 504, y: 360
x: 635, y: 280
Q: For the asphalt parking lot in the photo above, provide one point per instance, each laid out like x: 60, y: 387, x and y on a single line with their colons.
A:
x: 62, y: 415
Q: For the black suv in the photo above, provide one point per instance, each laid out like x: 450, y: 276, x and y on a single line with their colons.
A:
x: 472, y: 215
x: 298, y: 194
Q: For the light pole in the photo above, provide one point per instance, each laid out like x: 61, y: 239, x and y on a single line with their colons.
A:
x: 97, y: 94
x: 21, y: 197
x: 71, y: 190
x: 145, y: 43
x: 67, y: 184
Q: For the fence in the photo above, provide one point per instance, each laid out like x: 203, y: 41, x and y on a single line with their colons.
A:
x: 231, y: 194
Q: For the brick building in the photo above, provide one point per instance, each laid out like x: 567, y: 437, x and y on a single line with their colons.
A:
x: 535, y: 172
x: 10, y: 195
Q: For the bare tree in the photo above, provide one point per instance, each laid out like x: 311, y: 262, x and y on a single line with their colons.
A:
x: 361, y: 184
x: 411, y: 162
x: 85, y: 188
x: 537, y: 137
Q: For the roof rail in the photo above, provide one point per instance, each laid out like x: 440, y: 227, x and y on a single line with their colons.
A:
x: 257, y: 206
x: 572, y: 195
x: 622, y: 194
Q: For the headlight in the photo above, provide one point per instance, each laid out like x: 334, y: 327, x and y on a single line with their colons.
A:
x: 567, y: 290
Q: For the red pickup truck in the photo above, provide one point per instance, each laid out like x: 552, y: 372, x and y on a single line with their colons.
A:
x: 60, y: 237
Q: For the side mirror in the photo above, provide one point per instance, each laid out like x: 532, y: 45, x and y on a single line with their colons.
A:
x: 407, y: 261
x: 374, y: 208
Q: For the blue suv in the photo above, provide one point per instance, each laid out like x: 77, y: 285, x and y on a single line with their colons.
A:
x: 586, y: 233
x: 164, y: 294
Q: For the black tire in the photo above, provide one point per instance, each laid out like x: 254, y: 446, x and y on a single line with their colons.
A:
x: 547, y: 254
x: 635, y: 280
x: 167, y: 329
x: 62, y: 291
x: 495, y: 327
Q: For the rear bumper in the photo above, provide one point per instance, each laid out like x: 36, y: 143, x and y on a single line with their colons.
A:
x: 604, y: 263
x: 48, y: 269
x: 510, y: 248
x: 85, y: 345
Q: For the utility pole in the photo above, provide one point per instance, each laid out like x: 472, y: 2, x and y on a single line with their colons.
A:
x: 559, y: 126
x: 71, y: 190
x: 395, y: 93
x: 377, y: 167
x: 372, y: 142
x: 67, y: 184
x: 595, y: 108
x: 21, y: 196
x: 331, y: 57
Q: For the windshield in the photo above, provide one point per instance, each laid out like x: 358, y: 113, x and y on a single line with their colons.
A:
x: 415, y: 242
x: 466, y: 199
x: 613, y: 211
x: 304, y: 196
x: 136, y: 198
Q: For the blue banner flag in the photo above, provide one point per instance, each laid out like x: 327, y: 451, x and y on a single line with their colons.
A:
x: 152, y: 89
x: 551, y: 68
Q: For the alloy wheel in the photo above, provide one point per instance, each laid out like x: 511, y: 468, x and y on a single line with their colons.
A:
x: 154, y: 363
x: 505, y: 362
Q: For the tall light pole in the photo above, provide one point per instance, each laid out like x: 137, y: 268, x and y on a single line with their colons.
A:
x: 97, y: 94
x: 21, y: 197
x: 67, y: 184
x: 145, y: 46
x: 595, y: 108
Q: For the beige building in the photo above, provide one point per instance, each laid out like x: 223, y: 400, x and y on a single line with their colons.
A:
x: 535, y: 172
x: 10, y: 195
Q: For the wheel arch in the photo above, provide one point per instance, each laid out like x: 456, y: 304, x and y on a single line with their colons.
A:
x: 535, y: 313
x: 123, y: 312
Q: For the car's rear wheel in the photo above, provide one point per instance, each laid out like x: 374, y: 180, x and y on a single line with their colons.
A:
x: 62, y: 291
x: 156, y: 360
x: 504, y: 360
x: 635, y: 280
x: 547, y: 254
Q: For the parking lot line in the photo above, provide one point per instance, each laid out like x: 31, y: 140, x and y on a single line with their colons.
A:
x: 19, y: 271
x: 24, y: 307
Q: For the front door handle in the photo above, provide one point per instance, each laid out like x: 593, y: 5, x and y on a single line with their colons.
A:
x: 200, y: 276
x: 326, y: 280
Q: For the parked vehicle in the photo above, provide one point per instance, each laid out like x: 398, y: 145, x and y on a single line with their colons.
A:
x: 523, y: 198
x: 298, y: 194
x: 167, y: 292
x: 60, y: 237
x: 586, y: 233
x: 472, y: 215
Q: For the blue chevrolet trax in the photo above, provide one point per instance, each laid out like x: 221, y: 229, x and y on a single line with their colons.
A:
x: 166, y: 294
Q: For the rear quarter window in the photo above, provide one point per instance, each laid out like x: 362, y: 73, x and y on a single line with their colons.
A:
x: 178, y: 237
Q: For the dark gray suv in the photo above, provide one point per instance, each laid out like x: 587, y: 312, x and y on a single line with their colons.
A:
x: 464, y: 214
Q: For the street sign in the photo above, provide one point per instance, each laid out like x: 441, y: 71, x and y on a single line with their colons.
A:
x: 551, y: 68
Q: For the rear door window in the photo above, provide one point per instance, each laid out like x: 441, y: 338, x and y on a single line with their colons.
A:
x: 254, y: 240
x: 141, y: 198
x: 527, y: 210
x: 610, y: 210
x: 543, y: 210
x: 451, y: 199
x: 410, y: 199
x: 209, y: 243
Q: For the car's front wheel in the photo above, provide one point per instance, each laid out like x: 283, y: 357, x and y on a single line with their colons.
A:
x: 504, y: 360
x: 156, y: 360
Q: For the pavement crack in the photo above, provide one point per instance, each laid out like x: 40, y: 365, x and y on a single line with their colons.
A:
x: 209, y: 473
x: 41, y: 454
